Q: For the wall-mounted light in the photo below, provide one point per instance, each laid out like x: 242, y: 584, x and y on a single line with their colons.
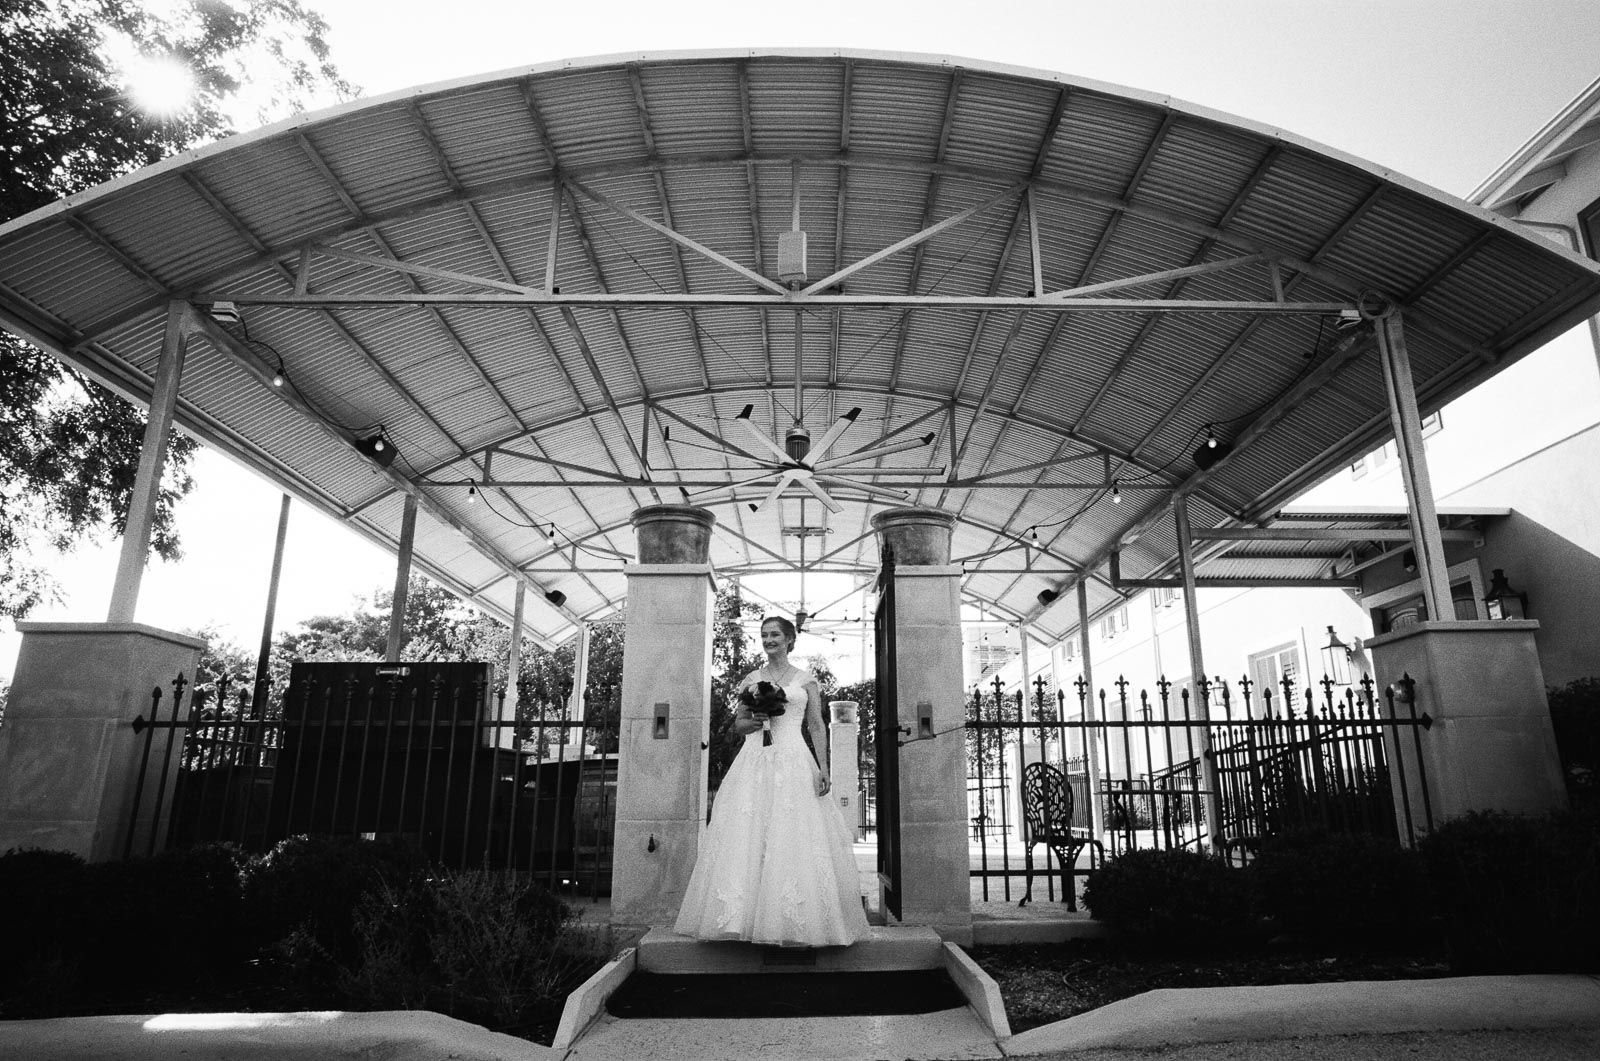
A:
x: 1336, y: 656
x: 1502, y: 601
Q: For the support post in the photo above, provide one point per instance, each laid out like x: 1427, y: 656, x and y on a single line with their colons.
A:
x: 402, y: 579
x: 506, y: 735
x: 1197, y: 672
x: 1091, y: 748
x: 152, y: 457
x: 1406, y: 420
x: 264, y: 657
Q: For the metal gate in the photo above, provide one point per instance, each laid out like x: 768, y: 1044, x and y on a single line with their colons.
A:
x: 887, y: 795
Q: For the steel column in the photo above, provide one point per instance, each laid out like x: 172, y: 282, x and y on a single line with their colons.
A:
x: 1426, y: 540
x: 402, y: 578
x: 152, y: 457
x: 1197, y: 673
x: 265, y: 655
x: 1090, y: 748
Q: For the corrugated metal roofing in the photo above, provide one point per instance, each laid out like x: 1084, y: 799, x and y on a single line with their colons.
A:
x: 450, y: 191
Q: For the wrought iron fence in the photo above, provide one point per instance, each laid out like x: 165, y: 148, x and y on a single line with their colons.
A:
x: 448, y: 766
x: 1143, y: 769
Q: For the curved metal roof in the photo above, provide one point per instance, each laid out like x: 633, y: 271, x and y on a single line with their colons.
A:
x: 567, y: 277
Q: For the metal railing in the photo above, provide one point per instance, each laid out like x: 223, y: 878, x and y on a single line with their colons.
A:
x: 530, y: 790
x: 1333, y: 762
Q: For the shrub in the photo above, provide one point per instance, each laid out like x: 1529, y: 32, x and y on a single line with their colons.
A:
x: 305, y: 889
x: 1518, y: 893
x: 478, y: 945
x: 1340, y: 887
x: 1171, y: 898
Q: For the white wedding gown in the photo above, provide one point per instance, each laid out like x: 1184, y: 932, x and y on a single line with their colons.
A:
x: 775, y: 863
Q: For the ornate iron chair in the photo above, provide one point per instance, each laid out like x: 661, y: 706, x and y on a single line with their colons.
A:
x: 1047, y: 819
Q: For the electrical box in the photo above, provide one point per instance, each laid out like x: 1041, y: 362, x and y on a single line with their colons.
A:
x: 792, y: 257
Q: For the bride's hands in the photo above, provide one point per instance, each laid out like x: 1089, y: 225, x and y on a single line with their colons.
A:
x: 821, y: 783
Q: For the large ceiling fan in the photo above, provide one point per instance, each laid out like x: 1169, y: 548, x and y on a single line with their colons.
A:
x: 800, y: 463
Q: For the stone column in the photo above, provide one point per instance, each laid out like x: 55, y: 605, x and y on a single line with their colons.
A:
x: 1491, y: 746
x: 69, y: 757
x: 666, y: 711
x: 933, y: 771
x: 844, y: 767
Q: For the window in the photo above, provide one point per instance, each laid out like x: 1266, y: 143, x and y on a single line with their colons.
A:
x: 1432, y: 425
x: 1358, y: 468
x: 1167, y: 596
x: 1589, y: 225
x: 1069, y: 650
x: 1269, y: 669
x: 1115, y: 623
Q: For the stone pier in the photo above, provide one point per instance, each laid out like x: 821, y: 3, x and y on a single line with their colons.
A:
x: 666, y: 708
x: 933, y: 769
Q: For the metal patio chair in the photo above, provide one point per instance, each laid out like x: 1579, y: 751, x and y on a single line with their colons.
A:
x: 1047, y: 819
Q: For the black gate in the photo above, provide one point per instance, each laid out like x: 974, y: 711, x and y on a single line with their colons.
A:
x: 887, y: 795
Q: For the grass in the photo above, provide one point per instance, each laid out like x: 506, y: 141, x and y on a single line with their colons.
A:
x: 1043, y: 983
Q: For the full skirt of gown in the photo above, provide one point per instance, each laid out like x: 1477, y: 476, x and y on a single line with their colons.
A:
x: 775, y: 864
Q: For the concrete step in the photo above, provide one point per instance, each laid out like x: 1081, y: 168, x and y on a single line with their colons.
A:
x: 882, y: 949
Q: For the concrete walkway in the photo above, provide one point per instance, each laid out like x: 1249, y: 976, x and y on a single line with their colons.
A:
x: 1540, y: 1018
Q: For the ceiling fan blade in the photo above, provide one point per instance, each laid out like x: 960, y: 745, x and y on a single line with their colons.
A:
x: 821, y: 448
x: 730, y: 488
x: 872, y: 454
x: 755, y: 433
x: 819, y: 493
x: 878, y: 491
x: 784, y: 480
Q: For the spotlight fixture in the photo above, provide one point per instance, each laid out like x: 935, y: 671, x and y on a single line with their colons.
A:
x: 1047, y: 596
x: 1211, y: 451
x: 556, y: 597
x: 376, y: 448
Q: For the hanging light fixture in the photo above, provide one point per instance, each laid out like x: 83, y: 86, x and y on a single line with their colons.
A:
x: 1116, y: 492
x: 472, y: 492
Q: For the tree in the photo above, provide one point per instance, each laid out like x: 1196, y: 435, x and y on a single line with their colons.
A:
x: 731, y: 660
x: 69, y: 449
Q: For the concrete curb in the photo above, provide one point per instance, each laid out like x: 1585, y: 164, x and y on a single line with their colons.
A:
x: 395, y: 1035
x: 983, y: 994
x: 1292, y: 1011
x: 584, y: 1005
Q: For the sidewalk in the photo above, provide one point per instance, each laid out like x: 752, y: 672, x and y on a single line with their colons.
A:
x: 1539, y: 1018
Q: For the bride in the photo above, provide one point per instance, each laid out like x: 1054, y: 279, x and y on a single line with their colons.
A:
x: 775, y: 863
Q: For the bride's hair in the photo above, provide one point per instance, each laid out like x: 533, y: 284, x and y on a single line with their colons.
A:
x: 790, y: 634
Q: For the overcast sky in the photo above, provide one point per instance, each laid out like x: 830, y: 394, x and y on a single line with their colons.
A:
x: 1441, y: 91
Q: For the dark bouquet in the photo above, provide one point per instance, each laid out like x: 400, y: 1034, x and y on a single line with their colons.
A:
x: 767, y: 699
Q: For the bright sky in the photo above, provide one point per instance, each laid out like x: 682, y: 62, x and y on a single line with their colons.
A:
x: 1439, y: 90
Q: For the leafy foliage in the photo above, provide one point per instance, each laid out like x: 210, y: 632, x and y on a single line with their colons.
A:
x: 69, y: 449
x: 1575, y: 717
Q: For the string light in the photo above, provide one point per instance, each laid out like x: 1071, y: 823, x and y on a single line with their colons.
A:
x: 1116, y: 493
x: 1033, y: 535
x: 1211, y: 439
x: 472, y: 492
x: 551, y: 534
